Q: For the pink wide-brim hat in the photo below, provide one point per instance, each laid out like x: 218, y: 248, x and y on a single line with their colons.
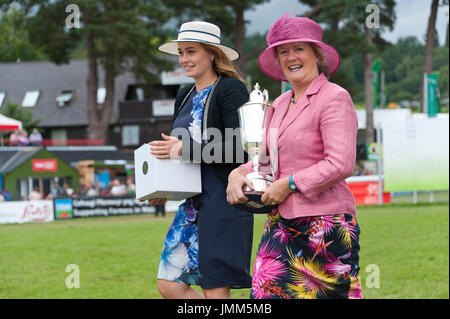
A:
x: 294, y: 29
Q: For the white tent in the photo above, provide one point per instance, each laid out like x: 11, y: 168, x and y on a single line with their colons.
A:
x: 7, y: 125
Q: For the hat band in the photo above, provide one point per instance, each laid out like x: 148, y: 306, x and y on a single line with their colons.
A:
x: 202, y: 32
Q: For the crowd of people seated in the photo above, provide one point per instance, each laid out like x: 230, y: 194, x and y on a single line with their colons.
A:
x: 21, y: 138
x: 115, y: 188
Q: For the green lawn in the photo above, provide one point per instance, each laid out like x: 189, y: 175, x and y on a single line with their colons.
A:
x: 118, y: 256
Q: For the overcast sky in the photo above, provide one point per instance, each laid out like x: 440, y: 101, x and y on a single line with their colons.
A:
x: 412, y: 18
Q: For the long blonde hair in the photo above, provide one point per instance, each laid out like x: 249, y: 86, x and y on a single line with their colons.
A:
x: 222, y: 64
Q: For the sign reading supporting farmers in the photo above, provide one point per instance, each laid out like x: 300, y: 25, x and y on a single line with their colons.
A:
x: 107, y: 206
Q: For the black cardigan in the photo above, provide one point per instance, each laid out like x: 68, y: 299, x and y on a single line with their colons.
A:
x: 220, y: 113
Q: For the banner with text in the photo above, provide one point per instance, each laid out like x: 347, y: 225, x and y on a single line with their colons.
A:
x: 99, y: 206
x: 27, y: 211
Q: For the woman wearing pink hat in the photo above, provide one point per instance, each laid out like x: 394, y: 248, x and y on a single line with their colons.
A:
x: 310, y: 243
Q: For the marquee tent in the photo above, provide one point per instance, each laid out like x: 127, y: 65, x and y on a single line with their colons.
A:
x: 7, y: 125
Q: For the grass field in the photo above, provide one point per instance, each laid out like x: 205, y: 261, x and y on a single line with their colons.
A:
x: 118, y: 256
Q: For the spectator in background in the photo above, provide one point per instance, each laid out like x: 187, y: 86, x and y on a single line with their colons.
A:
x: 102, y: 191
x: 14, y: 138
x: 357, y: 171
x: 23, y: 138
x: 67, y: 190
x: 35, y: 138
x: 83, y: 189
x: 2, y: 198
x: 91, y: 192
x: 160, y: 209
x: 118, y: 189
x: 7, y: 195
x: 35, y: 194
x: 131, y: 188
x: 56, y: 190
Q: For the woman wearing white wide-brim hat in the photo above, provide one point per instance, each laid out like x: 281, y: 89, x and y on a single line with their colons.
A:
x: 209, y: 242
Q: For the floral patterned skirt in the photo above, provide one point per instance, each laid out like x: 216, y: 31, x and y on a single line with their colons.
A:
x: 308, y: 257
x: 179, y: 257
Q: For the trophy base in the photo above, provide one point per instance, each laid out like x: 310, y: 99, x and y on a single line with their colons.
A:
x: 254, y: 204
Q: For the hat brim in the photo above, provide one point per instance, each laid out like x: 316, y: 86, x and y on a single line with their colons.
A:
x: 171, y: 47
x: 268, y: 62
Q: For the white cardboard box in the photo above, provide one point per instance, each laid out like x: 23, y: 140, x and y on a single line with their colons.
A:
x: 164, y: 178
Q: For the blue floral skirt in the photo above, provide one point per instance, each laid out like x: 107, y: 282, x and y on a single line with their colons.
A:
x: 308, y: 258
x: 179, y: 257
x: 209, y: 247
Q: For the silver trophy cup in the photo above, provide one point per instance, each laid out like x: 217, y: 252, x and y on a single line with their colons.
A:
x: 251, y: 118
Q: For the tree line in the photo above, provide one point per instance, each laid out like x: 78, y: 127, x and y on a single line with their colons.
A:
x: 124, y: 36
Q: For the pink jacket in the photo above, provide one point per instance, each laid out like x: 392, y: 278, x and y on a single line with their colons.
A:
x: 315, y: 141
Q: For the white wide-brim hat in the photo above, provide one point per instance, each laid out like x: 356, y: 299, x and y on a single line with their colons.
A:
x: 201, y: 32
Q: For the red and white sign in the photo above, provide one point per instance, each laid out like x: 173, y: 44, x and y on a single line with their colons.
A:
x: 365, y: 190
x: 24, y: 212
x: 44, y: 165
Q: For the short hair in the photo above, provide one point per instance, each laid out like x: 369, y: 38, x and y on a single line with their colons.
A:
x: 323, y: 66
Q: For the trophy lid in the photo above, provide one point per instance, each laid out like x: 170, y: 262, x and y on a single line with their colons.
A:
x: 256, y: 96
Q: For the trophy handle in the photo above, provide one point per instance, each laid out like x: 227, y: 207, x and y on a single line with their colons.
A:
x: 266, y: 99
